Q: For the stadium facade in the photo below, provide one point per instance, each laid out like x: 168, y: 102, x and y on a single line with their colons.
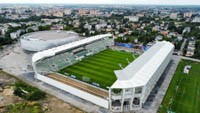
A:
x: 132, y: 87
x: 136, y: 81
x: 42, y: 40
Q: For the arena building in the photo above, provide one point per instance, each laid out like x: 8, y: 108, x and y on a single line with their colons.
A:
x: 136, y: 81
x: 38, y: 41
x: 133, y: 83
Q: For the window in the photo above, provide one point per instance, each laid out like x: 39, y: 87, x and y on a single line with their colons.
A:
x: 138, y: 90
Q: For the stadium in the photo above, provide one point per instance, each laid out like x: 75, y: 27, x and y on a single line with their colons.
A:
x: 110, y: 78
x: 41, y: 40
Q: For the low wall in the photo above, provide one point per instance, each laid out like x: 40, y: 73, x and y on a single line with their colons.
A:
x: 84, y: 95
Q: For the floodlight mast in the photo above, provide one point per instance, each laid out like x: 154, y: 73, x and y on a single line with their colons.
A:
x: 120, y: 65
x: 128, y: 61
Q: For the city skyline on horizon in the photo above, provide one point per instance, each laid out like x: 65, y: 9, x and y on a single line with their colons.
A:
x: 122, y: 2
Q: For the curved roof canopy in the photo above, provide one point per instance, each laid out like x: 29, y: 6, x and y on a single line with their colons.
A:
x: 51, y: 35
x: 53, y: 51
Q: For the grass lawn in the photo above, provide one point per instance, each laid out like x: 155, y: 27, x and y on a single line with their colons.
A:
x: 183, y: 95
x: 100, y: 67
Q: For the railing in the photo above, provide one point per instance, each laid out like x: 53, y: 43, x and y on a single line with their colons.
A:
x: 135, y: 107
x: 126, y: 108
x: 127, y: 96
x: 116, y: 108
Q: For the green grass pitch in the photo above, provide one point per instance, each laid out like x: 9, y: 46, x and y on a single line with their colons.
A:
x: 100, y: 67
x: 183, y: 95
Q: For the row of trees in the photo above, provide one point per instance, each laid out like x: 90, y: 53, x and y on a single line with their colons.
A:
x: 197, y: 49
x: 43, y: 28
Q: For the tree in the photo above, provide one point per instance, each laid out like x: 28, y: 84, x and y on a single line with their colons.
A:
x: 43, y: 28
x: 1, y: 47
x: 30, y: 30
x: 172, y: 26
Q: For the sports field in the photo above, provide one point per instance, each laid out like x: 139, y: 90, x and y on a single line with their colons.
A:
x: 100, y: 68
x: 183, y: 95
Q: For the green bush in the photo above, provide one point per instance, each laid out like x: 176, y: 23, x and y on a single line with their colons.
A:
x: 1, y: 47
x: 28, y: 92
x: 24, y: 107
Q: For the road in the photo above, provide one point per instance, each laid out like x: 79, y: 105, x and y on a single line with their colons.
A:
x: 182, y: 47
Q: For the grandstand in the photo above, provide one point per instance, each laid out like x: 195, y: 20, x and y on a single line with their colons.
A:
x: 109, y: 78
x: 71, y: 56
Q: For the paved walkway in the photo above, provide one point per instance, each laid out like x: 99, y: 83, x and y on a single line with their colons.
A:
x: 182, y: 46
x: 192, y: 59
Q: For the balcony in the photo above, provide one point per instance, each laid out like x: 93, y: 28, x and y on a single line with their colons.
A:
x: 136, y: 107
x: 116, y: 108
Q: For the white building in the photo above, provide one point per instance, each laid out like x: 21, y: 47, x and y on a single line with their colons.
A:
x: 87, y: 26
x: 40, y: 73
x: 196, y: 20
x: 188, y: 15
x: 100, y: 26
x: 133, y: 85
x: 136, y: 81
x: 15, y: 35
x: 186, y: 30
x: 67, y: 12
x: 159, y: 38
x: 132, y: 18
x: 187, y: 69
x: 3, y: 30
x: 173, y: 15
x: 38, y: 41
x: 179, y: 37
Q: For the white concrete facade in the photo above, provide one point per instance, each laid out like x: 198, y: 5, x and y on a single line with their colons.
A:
x: 136, y: 81
x: 74, y: 91
x: 39, y: 42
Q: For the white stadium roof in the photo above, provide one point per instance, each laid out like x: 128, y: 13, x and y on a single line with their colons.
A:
x: 51, y: 35
x: 53, y: 51
x: 140, y: 71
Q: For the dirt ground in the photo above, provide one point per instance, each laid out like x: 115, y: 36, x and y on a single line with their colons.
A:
x: 56, y: 105
x: 50, y: 105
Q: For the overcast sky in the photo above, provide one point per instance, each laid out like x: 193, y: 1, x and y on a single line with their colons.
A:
x: 159, y: 2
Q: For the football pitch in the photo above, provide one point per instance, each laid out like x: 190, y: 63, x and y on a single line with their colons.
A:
x: 183, y: 95
x: 100, y: 67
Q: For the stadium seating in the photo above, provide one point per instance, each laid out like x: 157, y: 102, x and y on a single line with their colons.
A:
x: 82, y: 53
x: 62, y: 60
